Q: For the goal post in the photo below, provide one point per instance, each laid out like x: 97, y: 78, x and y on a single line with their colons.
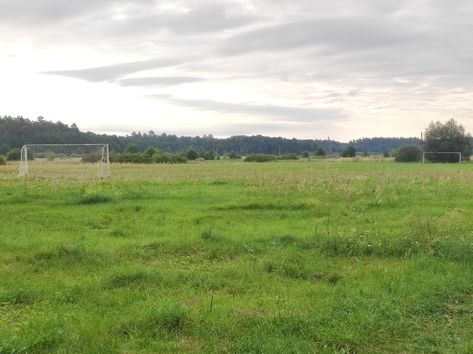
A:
x: 442, y: 153
x: 67, y: 153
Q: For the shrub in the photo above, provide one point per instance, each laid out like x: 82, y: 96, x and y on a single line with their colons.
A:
x: 233, y: 155
x: 157, y: 157
x: 131, y: 157
x: 179, y: 159
x: 92, y: 157
x: 320, y: 151
x: 191, y: 154
x: 50, y: 155
x: 14, y: 154
x: 260, y: 158
x: 149, y: 152
x: 409, y: 153
x: 3, y: 161
x: 127, y: 158
x: 161, y: 158
x: 288, y: 157
x: 169, y: 158
x: 350, y: 151
x: 207, y: 154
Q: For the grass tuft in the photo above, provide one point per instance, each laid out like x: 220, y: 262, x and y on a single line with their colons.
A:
x: 117, y: 233
x: 132, y: 279
x: 94, y: 198
x: 161, y: 319
x: 18, y: 296
x: 211, y: 236
x: 66, y: 254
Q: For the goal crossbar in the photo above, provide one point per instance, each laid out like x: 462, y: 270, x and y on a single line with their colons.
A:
x: 104, y: 162
x: 442, y: 152
x: 65, y: 145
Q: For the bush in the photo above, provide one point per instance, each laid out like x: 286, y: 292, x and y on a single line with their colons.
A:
x: 149, y: 152
x: 92, y: 157
x: 14, y: 154
x: 408, y: 153
x: 127, y: 158
x: 179, y: 159
x: 3, y: 161
x: 350, y: 151
x: 50, y: 155
x: 157, y: 157
x: 191, y: 154
x: 207, y: 154
x: 233, y: 155
x: 320, y: 151
x: 288, y: 157
x: 260, y: 158
x: 169, y: 158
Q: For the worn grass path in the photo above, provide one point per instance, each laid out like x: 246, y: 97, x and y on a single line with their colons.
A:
x: 225, y: 257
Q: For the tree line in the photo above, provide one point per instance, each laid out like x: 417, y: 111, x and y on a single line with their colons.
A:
x: 17, y: 131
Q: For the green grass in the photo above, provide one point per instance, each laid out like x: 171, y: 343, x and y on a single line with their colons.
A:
x: 231, y: 257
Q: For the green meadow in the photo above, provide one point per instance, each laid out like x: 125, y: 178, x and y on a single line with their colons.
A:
x: 233, y: 257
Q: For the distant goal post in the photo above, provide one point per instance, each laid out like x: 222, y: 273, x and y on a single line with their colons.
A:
x: 101, y: 150
x: 459, y: 154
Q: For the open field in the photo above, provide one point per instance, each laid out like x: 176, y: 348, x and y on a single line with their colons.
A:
x: 232, y: 257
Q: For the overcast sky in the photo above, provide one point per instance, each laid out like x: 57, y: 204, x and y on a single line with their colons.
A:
x: 294, y: 68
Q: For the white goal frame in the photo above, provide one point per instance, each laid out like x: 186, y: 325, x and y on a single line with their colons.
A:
x: 104, y: 162
x: 442, y: 152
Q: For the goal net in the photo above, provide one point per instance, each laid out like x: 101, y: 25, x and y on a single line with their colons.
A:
x: 65, y: 160
x: 446, y: 156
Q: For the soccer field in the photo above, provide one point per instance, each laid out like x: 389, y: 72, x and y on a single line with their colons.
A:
x: 232, y: 257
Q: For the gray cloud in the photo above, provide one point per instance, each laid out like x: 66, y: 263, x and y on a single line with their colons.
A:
x: 50, y: 11
x: 158, y: 81
x: 135, y: 17
x: 275, y: 112
x: 326, y: 35
x: 206, y: 18
x: 113, y: 72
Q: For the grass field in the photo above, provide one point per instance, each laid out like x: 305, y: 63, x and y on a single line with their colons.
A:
x: 231, y: 257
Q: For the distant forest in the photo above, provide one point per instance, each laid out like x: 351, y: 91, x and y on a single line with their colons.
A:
x: 17, y: 131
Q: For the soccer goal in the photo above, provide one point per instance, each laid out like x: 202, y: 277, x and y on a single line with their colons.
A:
x: 65, y: 160
x: 455, y: 156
